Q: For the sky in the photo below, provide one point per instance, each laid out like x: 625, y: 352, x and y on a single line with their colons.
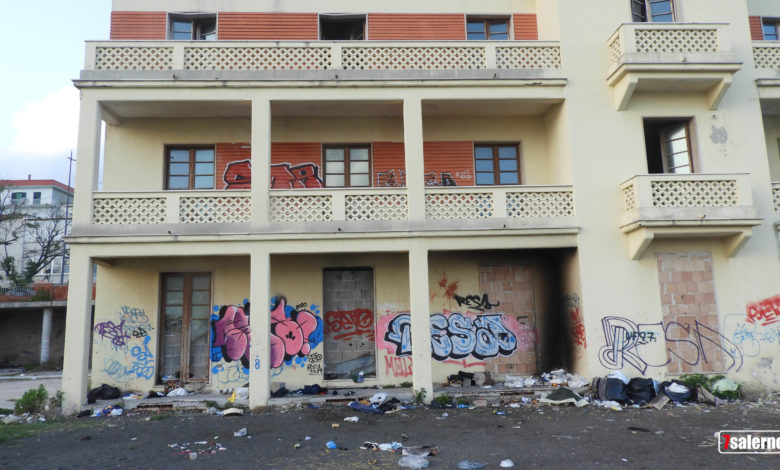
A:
x: 39, y: 106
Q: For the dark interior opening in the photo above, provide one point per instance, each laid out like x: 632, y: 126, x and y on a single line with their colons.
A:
x: 674, y: 134
x: 342, y: 27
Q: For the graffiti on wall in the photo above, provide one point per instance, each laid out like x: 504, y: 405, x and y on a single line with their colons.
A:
x: 444, y: 178
x: 475, y: 302
x: 398, y: 366
x: 347, y: 325
x: 624, y: 341
x: 448, y: 288
x: 392, y: 178
x: 314, y: 363
x: 576, y: 323
x: 226, y: 373
x: 765, y: 312
x: 302, y: 176
x: 230, y: 336
x: 294, y: 332
x: 396, y: 178
x: 457, y: 336
x: 750, y: 338
x: 238, y: 175
x: 124, y: 345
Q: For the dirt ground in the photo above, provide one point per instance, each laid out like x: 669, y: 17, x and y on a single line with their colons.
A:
x: 533, y: 437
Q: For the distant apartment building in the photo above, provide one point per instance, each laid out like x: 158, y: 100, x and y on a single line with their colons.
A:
x: 299, y: 192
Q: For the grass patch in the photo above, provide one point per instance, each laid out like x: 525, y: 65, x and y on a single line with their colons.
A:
x: 159, y: 417
x: 6, y: 411
x: 10, y: 432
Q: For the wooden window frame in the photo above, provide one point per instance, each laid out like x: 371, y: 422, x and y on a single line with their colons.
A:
x: 191, y: 171
x: 646, y: 6
x: 186, y: 321
x: 347, y: 150
x: 196, y: 23
x: 486, y: 21
x: 496, y: 164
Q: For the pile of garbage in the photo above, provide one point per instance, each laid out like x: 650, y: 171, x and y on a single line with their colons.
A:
x: 379, y: 403
x: 558, y: 377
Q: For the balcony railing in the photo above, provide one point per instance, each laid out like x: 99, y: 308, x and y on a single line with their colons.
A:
x: 531, y: 203
x: 255, y: 56
x: 766, y: 55
x: 776, y: 196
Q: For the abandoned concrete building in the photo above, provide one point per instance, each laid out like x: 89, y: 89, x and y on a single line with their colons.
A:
x: 305, y: 192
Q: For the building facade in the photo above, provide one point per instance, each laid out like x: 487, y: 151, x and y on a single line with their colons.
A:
x: 305, y: 192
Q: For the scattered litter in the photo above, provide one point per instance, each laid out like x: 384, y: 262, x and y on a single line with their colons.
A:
x: 562, y: 395
x: 391, y: 446
x: 413, y: 461
x: 335, y: 425
x: 404, y: 437
x: 230, y: 400
x: 659, y: 401
x: 378, y: 399
x: 725, y: 385
x: 443, y: 416
x: 114, y: 412
x: 352, y: 419
x: 514, y: 405
x: 240, y: 433
x: 677, y: 392
x: 233, y: 412
x: 469, y: 465
x: 104, y: 392
x: 637, y: 429
x: 297, y: 445
x: 616, y: 374
x: 11, y: 419
x: 193, y: 455
x: 357, y: 406
x: 500, y: 412
x: 177, y: 392
x: 331, y: 445
x: 86, y: 438
x: 307, y: 438
x: 612, y: 405
x: 507, y: 463
x: 203, y: 448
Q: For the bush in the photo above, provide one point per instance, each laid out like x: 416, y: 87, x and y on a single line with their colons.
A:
x: 419, y: 396
x: 33, y: 401
x: 56, y: 400
x: 443, y: 400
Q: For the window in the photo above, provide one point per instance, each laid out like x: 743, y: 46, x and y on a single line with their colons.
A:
x: 668, y: 146
x: 189, y: 168
x: 481, y: 28
x: 37, y: 197
x: 186, y: 310
x: 347, y: 166
x: 652, y: 11
x: 18, y: 198
x: 497, y: 163
x: 342, y: 27
x: 193, y: 28
x: 770, y: 28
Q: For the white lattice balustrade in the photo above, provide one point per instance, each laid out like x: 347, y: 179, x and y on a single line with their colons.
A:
x: 454, y: 205
x: 528, y: 57
x: 128, y: 210
x: 767, y: 57
x: 412, y: 58
x: 535, y: 204
x: 257, y: 58
x: 630, y: 201
x: 712, y: 193
x: 676, y: 40
x: 134, y: 58
x: 301, y: 208
x: 215, y: 209
x: 616, y: 49
x: 776, y: 196
x: 376, y: 207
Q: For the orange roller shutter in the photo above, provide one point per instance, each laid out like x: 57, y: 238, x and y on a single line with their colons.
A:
x: 233, y: 170
x: 525, y: 27
x: 138, y: 25
x: 419, y: 27
x: 449, y: 163
x: 756, y: 31
x: 389, y: 164
x: 296, y: 165
x: 268, y: 26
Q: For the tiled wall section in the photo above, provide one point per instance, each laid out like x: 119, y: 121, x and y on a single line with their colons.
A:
x: 513, y: 287
x: 688, y: 295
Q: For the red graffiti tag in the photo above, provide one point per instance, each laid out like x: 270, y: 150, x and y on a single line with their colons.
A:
x: 350, y: 324
x: 238, y: 175
x: 305, y: 175
x: 398, y: 366
x: 765, y: 312
x: 465, y: 365
x: 450, y: 288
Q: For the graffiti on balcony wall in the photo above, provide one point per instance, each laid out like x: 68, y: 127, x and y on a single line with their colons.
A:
x: 456, y: 336
x: 230, y: 335
x: 294, y: 332
x: 123, y: 344
x: 238, y: 175
x: 393, y: 178
x: 347, y: 325
x: 302, y: 176
x: 576, y: 323
x: 475, y: 302
x: 765, y: 312
x: 443, y: 178
x: 689, y: 343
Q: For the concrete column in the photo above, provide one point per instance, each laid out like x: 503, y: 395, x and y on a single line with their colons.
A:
x: 78, y: 325
x: 46, y: 334
x: 413, y: 153
x: 87, y: 161
x: 260, y: 327
x: 422, y: 374
x: 261, y: 161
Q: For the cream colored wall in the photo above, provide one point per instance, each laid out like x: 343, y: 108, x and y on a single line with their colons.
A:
x: 134, y: 151
x: 530, y: 131
x: 772, y: 134
x: 340, y: 6
x: 337, y: 130
x: 764, y: 8
x: 558, y: 145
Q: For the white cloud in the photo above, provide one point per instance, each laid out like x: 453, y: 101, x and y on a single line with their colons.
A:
x: 49, y: 126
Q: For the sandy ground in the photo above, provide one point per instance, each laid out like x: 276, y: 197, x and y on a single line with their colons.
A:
x: 13, y: 387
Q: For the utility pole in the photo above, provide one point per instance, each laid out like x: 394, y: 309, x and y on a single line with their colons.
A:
x: 67, y: 208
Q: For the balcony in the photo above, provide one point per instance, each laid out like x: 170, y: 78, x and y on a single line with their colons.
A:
x: 766, y: 56
x: 549, y: 208
x: 688, y: 206
x: 676, y: 57
x: 280, y: 61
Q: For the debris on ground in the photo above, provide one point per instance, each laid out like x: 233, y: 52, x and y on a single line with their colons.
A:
x: 352, y: 419
x: 197, y: 448
x: 240, y: 433
x: 233, y: 412
x: 470, y: 465
x: 507, y: 464
x: 413, y: 462
x: 104, y: 392
x: 564, y: 395
x: 108, y: 410
x: 181, y: 392
x: 331, y: 445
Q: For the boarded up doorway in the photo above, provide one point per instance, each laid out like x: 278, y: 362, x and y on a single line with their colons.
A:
x: 348, y: 301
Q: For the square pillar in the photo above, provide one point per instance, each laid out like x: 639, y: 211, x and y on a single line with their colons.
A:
x: 78, y: 328
x: 261, y: 161
x: 87, y: 160
x: 260, y: 327
x: 419, y: 303
x: 413, y: 159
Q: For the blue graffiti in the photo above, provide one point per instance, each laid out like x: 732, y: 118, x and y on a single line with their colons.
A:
x: 226, y: 373
x: 142, y: 366
x: 456, y: 336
